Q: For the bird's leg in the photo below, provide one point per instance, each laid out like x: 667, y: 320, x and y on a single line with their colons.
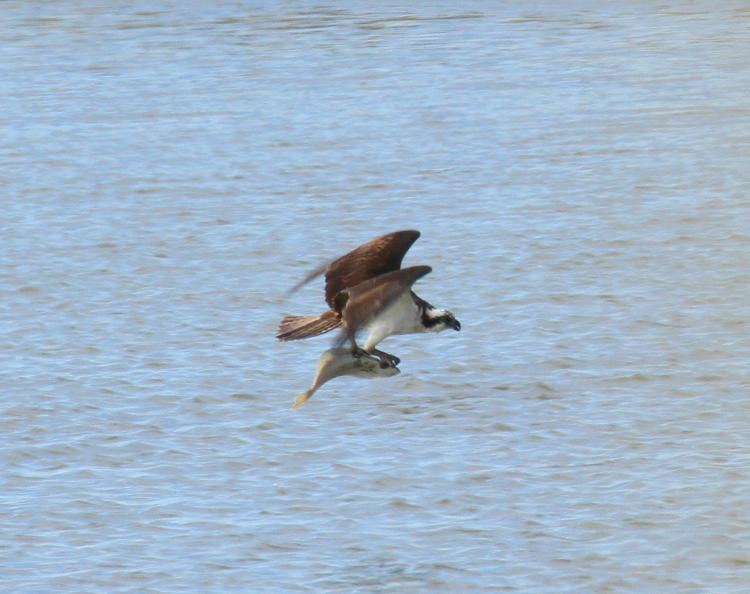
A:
x: 386, y: 359
x: 358, y: 351
x: 391, y: 360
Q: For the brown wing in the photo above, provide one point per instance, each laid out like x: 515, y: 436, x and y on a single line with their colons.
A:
x: 376, y: 257
x: 371, y: 297
x: 382, y: 254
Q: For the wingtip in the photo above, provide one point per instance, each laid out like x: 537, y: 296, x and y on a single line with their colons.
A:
x: 417, y: 272
x: 412, y: 232
x: 310, y: 276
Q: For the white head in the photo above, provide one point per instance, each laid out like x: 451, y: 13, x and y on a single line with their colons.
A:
x: 435, y: 319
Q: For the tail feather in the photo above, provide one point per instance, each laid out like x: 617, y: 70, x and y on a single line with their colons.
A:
x: 296, y: 327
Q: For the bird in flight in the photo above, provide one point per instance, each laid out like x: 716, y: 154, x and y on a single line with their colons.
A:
x: 366, y: 289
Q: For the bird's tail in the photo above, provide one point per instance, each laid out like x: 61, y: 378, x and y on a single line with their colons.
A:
x: 295, y: 327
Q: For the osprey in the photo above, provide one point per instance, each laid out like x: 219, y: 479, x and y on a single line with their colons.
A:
x: 367, y: 289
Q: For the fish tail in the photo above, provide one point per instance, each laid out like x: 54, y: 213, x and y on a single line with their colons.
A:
x: 301, y: 399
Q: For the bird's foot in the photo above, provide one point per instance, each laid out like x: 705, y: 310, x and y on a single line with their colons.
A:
x: 386, y: 359
x: 358, y: 352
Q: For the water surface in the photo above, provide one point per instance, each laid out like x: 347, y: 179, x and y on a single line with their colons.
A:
x: 579, y: 174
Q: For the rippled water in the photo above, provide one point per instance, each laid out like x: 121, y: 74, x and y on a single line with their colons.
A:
x: 580, y: 177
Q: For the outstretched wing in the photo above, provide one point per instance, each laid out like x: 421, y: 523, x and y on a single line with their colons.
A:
x: 369, y: 298
x: 379, y: 256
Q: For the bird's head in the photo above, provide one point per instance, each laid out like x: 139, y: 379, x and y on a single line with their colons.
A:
x: 436, y: 319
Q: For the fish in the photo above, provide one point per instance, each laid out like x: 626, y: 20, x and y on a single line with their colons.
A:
x: 339, y: 361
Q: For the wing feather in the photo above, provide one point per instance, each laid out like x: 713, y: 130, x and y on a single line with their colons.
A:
x: 379, y: 256
x: 369, y: 298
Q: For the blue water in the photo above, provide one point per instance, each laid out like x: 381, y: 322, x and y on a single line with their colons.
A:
x: 579, y: 175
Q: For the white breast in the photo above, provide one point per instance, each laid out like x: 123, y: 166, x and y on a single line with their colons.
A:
x: 401, y: 317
